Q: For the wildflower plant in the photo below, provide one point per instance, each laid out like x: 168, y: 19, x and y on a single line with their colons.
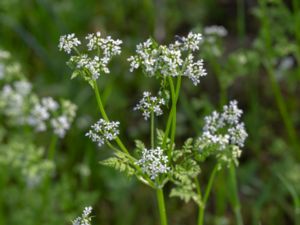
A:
x: 162, y: 160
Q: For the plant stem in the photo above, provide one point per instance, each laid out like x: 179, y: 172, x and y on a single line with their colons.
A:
x: 235, y: 197
x: 206, y: 195
x: 282, y: 108
x: 172, y: 114
x: 241, y: 19
x: 161, y: 206
x: 281, y: 104
x: 52, y: 147
x: 104, y: 115
x: 152, y: 130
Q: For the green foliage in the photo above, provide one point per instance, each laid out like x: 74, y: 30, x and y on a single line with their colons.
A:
x: 120, y: 162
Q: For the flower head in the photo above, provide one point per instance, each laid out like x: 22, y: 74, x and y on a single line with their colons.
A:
x: 150, y: 104
x: 103, y: 131
x: 67, y: 42
x: 154, y: 162
x: 215, y: 30
x: 224, y: 133
x: 190, y: 42
x: 85, y: 218
x: 171, y: 60
x: 194, y: 70
x: 60, y: 125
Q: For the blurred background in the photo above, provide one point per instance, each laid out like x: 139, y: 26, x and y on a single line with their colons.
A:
x: 256, y: 63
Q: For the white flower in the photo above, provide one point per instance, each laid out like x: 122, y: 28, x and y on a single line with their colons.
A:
x: 191, y: 42
x: 23, y: 87
x: 50, y: 103
x: 150, y: 104
x: 108, y: 46
x: 85, y: 218
x: 103, y: 131
x: 216, y: 30
x: 194, y: 70
x: 165, y: 60
x: 60, y: 125
x: 38, y: 116
x: 154, y: 162
x: 67, y: 42
x: 224, y: 131
x: 94, y: 65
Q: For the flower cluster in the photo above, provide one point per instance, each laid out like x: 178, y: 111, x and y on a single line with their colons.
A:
x: 215, y: 30
x: 27, y: 159
x: 189, y: 43
x: 68, y: 42
x: 85, y: 218
x: 154, y: 162
x: 13, y: 99
x: 60, y: 117
x: 103, y: 131
x: 194, y: 70
x: 150, y: 104
x: 91, y: 66
x: 162, y: 60
x: 224, y: 133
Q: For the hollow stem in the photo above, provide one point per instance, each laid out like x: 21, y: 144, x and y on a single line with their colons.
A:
x: 235, y: 201
x: 241, y: 19
x: 161, y: 206
x: 171, y: 123
x: 104, y: 115
x: 152, y: 130
x: 206, y: 195
x: 52, y: 147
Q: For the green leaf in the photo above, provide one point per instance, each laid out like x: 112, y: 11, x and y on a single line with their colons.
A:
x: 119, y: 162
x: 186, y: 193
x: 75, y: 74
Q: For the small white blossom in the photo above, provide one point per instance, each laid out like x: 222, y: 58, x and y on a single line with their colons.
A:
x: 191, y: 42
x: 50, y: 103
x: 85, y: 218
x: 150, y: 104
x: 146, y: 56
x: 103, y: 131
x: 67, y: 42
x: 224, y: 131
x: 216, y: 30
x: 60, y: 125
x: 162, y: 60
x: 23, y: 87
x: 108, y: 46
x: 194, y: 70
x: 154, y: 162
x: 38, y: 116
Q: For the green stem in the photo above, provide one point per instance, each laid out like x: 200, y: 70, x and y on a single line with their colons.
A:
x: 161, y: 206
x: 222, y: 85
x: 99, y: 101
x: 52, y: 147
x: 291, y: 131
x: 241, y: 19
x: 281, y: 104
x: 235, y: 197
x: 104, y: 115
x: 152, y: 130
x: 206, y: 195
x: 171, y: 123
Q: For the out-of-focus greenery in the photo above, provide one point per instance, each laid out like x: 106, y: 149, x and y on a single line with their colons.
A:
x: 258, y: 63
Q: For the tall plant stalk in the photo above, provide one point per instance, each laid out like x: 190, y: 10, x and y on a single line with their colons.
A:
x: 235, y: 197
x: 206, y: 194
x: 279, y: 99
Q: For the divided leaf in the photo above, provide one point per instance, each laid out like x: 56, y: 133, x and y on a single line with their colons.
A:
x: 119, y: 162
